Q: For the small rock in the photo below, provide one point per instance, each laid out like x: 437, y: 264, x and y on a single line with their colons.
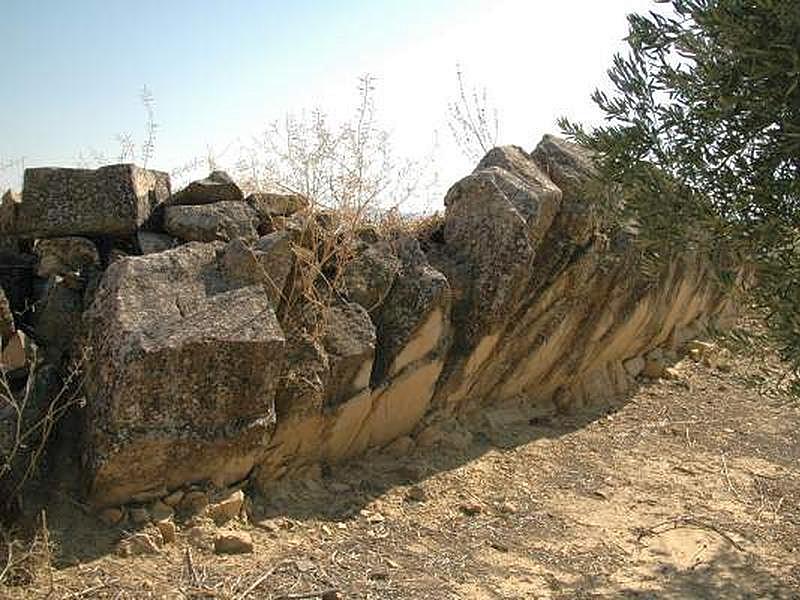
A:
x: 471, y: 509
x: 227, y: 509
x: 198, y: 536
x: 672, y: 373
x: 634, y: 366
x: 701, y: 347
x: 217, y: 187
x: 508, y: 508
x: 111, y: 516
x: 233, y: 542
x: 137, y: 544
x: 654, y: 368
x: 205, y: 223
x: 168, y: 531
x: 15, y: 354
x: 160, y: 511
x: 725, y: 366
x: 174, y: 498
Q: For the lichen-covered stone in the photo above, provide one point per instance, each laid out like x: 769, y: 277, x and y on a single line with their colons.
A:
x: 217, y: 187
x: 370, y: 275
x: 571, y: 167
x: 58, y: 256
x: 224, y: 220
x: 267, y: 262
x: 349, y: 341
x: 113, y: 200
x: 495, y: 222
x: 276, y: 204
x: 545, y: 312
x: 418, y: 303
x: 181, y: 380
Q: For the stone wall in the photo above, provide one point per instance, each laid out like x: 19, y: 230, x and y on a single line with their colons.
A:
x: 204, y: 363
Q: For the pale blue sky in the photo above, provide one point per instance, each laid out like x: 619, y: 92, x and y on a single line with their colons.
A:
x: 220, y: 71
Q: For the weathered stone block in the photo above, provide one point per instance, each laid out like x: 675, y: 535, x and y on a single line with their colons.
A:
x: 182, y: 376
x: 209, y: 222
x: 113, y: 200
x: 267, y: 262
x: 217, y: 187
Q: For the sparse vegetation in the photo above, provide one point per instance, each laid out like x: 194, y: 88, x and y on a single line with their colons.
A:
x: 35, y: 410
x: 350, y: 177
x: 473, y: 122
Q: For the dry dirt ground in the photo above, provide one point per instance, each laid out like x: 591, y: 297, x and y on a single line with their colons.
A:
x: 685, y: 489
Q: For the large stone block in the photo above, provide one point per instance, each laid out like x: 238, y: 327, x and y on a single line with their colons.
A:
x: 182, y: 376
x: 224, y: 220
x: 113, y: 200
x: 571, y: 168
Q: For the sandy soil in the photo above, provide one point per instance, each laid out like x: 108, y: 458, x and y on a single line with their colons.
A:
x: 685, y: 489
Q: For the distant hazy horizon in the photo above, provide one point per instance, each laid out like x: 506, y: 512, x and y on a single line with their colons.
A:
x: 220, y: 73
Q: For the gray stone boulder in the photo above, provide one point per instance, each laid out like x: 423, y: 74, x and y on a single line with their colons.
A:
x: 571, y: 168
x: 114, y: 200
x: 276, y: 204
x: 494, y: 224
x: 349, y: 342
x: 413, y: 320
x: 370, y: 275
x: 267, y: 262
x: 73, y: 254
x: 545, y: 312
x: 217, y: 187
x: 182, y: 375
x: 224, y: 220
x: 324, y: 394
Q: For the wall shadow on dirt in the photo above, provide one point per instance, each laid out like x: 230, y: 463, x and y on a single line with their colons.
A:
x: 345, y: 489
x: 338, y: 495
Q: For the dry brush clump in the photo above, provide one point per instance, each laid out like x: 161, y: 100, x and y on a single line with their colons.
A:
x: 351, y: 184
x: 26, y: 558
x: 29, y: 416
